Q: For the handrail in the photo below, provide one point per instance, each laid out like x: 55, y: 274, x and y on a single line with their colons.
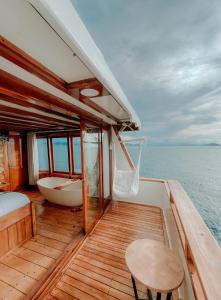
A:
x: 203, y: 254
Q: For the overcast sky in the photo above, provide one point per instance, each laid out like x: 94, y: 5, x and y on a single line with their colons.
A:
x: 166, y: 54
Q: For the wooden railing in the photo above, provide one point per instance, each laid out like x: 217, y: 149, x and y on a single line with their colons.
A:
x: 202, y: 252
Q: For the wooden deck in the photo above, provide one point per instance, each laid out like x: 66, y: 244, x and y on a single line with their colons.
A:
x: 25, y: 266
x: 98, y: 270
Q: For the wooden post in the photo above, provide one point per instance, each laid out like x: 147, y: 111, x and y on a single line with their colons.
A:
x: 84, y: 181
x: 33, y: 218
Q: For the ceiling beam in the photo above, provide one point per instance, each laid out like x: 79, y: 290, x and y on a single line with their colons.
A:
x: 84, y: 84
x: 24, y: 123
x: 21, y: 119
x: 38, y: 104
x: 26, y: 111
x: 5, y: 112
x: 25, y: 61
x: 11, y: 83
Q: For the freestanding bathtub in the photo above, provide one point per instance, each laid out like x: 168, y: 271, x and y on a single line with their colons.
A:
x: 70, y: 195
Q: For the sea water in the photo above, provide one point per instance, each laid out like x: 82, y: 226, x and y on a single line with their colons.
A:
x: 198, y: 169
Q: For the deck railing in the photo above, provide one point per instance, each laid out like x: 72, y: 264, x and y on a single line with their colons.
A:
x: 202, y: 252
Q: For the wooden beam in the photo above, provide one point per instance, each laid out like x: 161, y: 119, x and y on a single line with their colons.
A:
x: 40, y: 105
x: 124, y: 149
x: 25, y: 112
x: 14, y: 84
x: 84, y: 84
x: 29, y: 118
x: 98, y: 108
x: 23, y: 125
x: 17, y: 56
x: 25, y: 61
x: 27, y: 121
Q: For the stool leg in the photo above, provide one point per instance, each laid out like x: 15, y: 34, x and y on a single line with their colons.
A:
x: 149, y: 295
x: 169, y: 295
x: 135, y: 288
x: 158, y: 296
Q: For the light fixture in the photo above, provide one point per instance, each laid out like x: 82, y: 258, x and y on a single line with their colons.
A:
x: 89, y: 92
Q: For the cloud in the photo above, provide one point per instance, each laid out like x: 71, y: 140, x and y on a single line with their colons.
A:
x: 167, y: 57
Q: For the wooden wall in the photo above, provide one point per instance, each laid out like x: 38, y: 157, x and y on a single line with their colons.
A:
x: 4, y: 171
x: 16, y: 227
x: 13, y: 162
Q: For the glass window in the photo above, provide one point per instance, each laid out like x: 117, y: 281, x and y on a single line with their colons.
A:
x: 77, y: 154
x: 43, y: 154
x: 60, y: 152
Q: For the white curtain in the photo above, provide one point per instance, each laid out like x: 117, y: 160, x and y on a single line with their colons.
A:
x: 33, y: 165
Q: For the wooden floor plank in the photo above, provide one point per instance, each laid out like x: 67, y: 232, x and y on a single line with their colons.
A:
x: 22, y: 282
x: 42, y: 249
x: 30, y: 269
x: 60, y: 295
x: 49, y: 242
x: 74, y: 292
x: 34, y: 257
x: 24, y: 267
x: 98, y: 270
x: 10, y: 293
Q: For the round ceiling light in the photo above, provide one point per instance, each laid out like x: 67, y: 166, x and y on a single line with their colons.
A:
x: 89, y: 92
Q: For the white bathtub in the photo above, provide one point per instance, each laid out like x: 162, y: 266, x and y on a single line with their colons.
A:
x: 70, y: 195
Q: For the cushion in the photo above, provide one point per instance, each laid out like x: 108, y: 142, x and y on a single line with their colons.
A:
x: 10, y: 201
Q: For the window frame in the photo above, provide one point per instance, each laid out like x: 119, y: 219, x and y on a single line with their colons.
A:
x: 41, y: 170
x: 71, y: 173
x: 53, y: 159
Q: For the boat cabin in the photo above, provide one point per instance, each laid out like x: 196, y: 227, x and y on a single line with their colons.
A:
x: 71, y: 200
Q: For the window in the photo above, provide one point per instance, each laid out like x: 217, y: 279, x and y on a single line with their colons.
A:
x: 77, y: 154
x: 43, y: 154
x: 60, y: 153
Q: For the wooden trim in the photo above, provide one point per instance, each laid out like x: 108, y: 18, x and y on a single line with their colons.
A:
x: 84, y: 179
x: 33, y: 216
x: 123, y: 147
x: 25, y: 61
x: 16, y: 227
x: 83, y: 84
x: 111, y: 163
x: 70, y: 155
x: 101, y: 174
x: 30, y: 118
x: 50, y: 156
x: 203, y: 254
x: 13, y: 84
x: 98, y: 108
x: 27, y: 113
x: 14, y: 216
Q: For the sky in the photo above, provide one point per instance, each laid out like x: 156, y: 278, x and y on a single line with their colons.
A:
x: 166, y: 55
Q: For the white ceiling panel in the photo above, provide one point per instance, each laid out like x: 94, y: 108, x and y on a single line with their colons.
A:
x: 109, y: 104
x: 30, y: 32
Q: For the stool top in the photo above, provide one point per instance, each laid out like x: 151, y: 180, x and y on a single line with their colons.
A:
x: 154, y: 265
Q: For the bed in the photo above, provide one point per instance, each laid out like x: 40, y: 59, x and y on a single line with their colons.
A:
x: 17, y: 220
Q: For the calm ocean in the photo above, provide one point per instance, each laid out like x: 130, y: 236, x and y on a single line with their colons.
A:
x: 197, y: 168
x: 199, y: 171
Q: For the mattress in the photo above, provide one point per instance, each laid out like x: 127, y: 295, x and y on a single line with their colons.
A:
x: 10, y: 201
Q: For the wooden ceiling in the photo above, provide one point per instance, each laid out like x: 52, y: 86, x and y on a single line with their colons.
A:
x: 25, y: 107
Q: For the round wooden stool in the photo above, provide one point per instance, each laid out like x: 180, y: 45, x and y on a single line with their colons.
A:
x: 155, y: 266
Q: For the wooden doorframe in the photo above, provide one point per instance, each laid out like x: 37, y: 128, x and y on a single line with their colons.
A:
x: 103, y: 204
